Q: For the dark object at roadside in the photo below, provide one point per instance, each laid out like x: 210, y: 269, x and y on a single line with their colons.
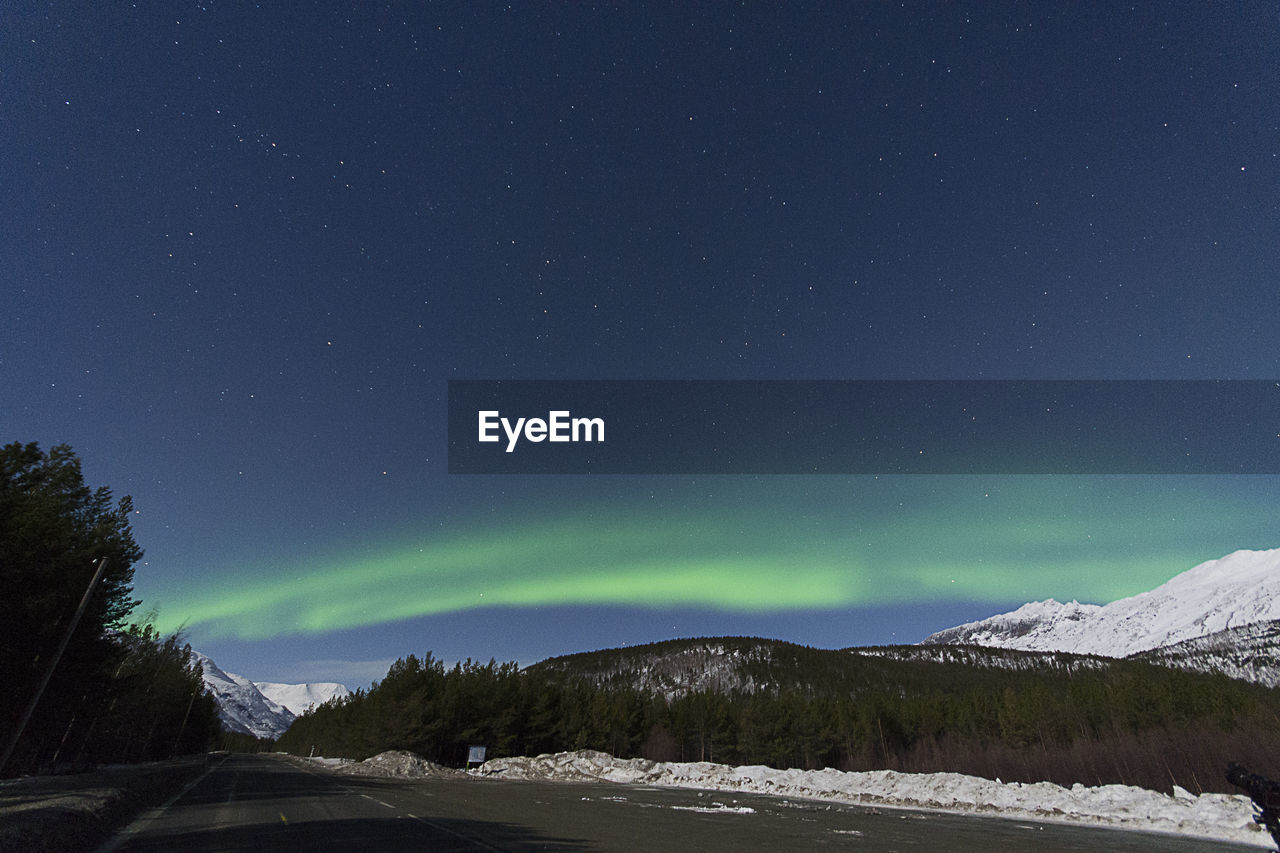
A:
x: 1265, y: 794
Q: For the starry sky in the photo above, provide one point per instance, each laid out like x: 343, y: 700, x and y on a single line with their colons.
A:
x: 244, y: 248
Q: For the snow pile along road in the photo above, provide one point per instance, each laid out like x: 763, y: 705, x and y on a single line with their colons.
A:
x: 396, y: 763
x: 1225, y: 817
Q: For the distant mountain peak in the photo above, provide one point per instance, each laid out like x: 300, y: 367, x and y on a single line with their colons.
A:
x: 263, y: 709
x: 300, y: 698
x: 1024, y: 628
x: 1239, y: 589
x: 241, y: 706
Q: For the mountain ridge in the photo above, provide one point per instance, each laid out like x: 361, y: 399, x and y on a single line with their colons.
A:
x: 297, y: 699
x: 241, y: 706
x: 1221, y: 597
x: 1221, y: 616
x: 1248, y: 652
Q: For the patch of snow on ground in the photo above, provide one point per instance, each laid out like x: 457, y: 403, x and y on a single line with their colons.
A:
x: 1225, y: 817
x: 330, y: 763
x: 715, y: 809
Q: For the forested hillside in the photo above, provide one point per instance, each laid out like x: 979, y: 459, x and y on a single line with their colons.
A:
x: 1250, y: 652
x: 1068, y: 720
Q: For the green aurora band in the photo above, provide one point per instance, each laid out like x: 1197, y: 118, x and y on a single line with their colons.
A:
x: 740, y: 557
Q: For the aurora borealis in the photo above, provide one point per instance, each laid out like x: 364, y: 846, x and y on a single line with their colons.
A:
x: 246, y: 249
x: 771, y: 547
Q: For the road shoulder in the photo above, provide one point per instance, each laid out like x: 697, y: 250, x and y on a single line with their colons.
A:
x: 75, y: 812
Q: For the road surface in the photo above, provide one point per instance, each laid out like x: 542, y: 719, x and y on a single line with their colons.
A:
x: 267, y: 803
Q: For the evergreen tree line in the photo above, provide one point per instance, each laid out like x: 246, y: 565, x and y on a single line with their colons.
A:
x: 144, y: 701
x: 1130, y: 722
x: 119, y: 692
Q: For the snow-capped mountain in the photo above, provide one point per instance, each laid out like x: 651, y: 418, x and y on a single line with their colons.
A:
x: 241, y: 706
x: 1240, y: 589
x: 300, y: 698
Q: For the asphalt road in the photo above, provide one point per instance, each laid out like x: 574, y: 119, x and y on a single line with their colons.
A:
x: 266, y: 803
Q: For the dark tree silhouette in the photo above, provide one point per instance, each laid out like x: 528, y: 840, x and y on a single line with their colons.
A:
x: 101, y: 702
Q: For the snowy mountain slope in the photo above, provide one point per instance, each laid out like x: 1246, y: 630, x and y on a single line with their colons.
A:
x: 1250, y: 652
x: 241, y: 707
x: 300, y: 698
x: 988, y: 658
x: 1239, y: 589
x: 1032, y: 627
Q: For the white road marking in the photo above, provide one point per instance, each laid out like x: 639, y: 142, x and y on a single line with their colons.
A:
x: 141, y: 822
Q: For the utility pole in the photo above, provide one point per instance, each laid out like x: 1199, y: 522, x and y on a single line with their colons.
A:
x: 182, y: 728
x: 57, y: 656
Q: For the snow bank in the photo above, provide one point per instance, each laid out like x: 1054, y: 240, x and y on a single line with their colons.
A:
x: 396, y: 763
x: 1224, y: 817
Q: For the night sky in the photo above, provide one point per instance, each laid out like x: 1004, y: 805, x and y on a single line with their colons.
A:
x: 244, y: 248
